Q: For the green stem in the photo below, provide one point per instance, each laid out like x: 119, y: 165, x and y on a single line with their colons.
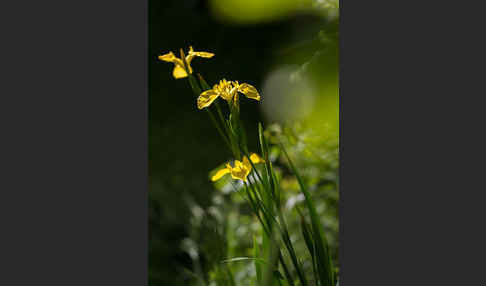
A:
x: 215, y: 123
x: 290, y: 280
x: 325, y: 265
x: 290, y: 249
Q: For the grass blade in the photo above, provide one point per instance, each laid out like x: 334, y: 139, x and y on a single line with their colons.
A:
x: 307, y: 233
x: 258, y: 268
x: 238, y: 259
x: 324, y: 262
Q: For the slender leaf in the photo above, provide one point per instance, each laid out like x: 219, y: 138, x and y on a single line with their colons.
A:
x: 258, y: 268
x: 237, y: 259
x: 324, y: 262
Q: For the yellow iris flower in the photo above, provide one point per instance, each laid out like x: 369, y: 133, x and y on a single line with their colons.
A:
x: 241, y: 169
x: 228, y: 90
x: 179, y: 70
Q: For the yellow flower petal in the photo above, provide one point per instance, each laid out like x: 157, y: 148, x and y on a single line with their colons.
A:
x: 249, y: 91
x: 179, y: 69
x: 170, y: 57
x: 240, y: 171
x: 256, y: 159
x: 220, y: 174
x: 227, y: 95
x: 200, y: 54
x: 234, y: 97
x: 193, y: 54
x: 204, y: 54
x: 206, y: 98
x: 246, y: 163
x: 238, y: 165
x: 179, y: 72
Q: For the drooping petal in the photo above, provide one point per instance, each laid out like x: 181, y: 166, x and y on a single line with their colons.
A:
x: 200, y: 54
x: 179, y: 72
x: 219, y: 174
x: 169, y: 57
x: 249, y: 90
x: 256, y: 159
x: 206, y: 98
x: 204, y: 54
x: 193, y: 54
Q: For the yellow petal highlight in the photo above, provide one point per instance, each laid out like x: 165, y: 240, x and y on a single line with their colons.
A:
x: 179, y: 72
x: 206, y: 98
x: 249, y: 90
x: 241, y: 170
x: 246, y: 163
x: 234, y: 97
x: 239, y: 165
x: 220, y: 174
x: 204, y: 54
x: 170, y: 57
x: 256, y: 159
x: 193, y: 54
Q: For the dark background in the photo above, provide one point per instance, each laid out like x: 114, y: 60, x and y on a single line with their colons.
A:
x: 183, y: 145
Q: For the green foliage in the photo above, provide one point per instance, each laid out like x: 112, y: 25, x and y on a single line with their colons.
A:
x: 317, y: 156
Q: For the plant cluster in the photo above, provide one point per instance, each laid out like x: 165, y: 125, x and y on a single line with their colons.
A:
x: 259, y: 183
